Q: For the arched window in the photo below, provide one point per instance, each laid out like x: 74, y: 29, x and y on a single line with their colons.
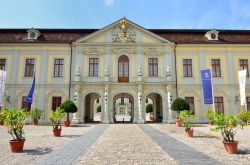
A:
x: 123, y: 69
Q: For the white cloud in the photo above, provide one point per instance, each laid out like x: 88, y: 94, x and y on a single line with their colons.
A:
x: 109, y: 2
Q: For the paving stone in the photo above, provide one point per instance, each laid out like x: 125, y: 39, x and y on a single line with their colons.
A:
x: 182, y: 153
x: 69, y: 154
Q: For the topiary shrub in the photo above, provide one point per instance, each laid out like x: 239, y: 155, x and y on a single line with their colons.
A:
x: 180, y: 104
x: 98, y: 109
x: 68, y: 107
x: 149, y: 108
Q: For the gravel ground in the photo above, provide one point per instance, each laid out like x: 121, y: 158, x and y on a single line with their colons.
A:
x: 210, y: 143
x: 39, y: 142
x: 125, y: 144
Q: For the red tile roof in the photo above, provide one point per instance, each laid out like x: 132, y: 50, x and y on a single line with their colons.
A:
x: 179, y: 36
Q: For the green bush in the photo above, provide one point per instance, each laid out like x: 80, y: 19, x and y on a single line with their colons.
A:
x: 98, y: 109
x: 180, y: 104
x: 244, y: 116
x: 14, y: 121
x: 56, y: 118
x: 227, y: 126
x: 68, y: 107
x: 149, y: 108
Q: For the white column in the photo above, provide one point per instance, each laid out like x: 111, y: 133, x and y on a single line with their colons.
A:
x: 105, y: 118
x: 76, y: 101
x: 170, y: 115
x: 165, y: 109
x: 140, y: 119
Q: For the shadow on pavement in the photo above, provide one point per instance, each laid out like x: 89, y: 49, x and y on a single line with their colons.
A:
x: 71, y: 136
x: 38, y: 151
x: 243, y: 151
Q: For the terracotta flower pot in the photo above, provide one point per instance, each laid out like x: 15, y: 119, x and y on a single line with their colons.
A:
x: 35, y: 122
x: 178, y: 122
x: 66, y: 123
x: 231, y: 147
x: 16, y: 145
x: 189, y: 133
x: 57, y: 132
x: 210, y: 123
x: 1, y: 122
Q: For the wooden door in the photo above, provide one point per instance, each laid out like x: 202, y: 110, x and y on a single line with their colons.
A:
x: 123, y: 69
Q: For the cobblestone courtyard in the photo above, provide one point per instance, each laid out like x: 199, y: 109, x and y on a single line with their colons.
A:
x: 123, y: 144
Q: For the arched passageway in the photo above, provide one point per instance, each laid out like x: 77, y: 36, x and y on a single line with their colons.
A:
x: 92, y: 112
x: 123, y: 108
x: 157, y: 108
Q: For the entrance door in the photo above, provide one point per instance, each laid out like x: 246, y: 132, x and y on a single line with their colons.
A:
x: 123, y: 69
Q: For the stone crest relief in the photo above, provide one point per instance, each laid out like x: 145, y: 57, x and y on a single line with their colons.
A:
x: 123, y: 33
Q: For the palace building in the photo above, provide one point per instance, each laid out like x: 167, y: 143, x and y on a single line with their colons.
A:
x: 122, y: 68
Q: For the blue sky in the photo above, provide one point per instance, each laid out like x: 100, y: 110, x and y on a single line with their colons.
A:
x: 162, y: 14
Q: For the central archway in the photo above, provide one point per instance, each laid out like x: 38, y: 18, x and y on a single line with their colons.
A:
x: 155, y: 100
x: 123, y: 108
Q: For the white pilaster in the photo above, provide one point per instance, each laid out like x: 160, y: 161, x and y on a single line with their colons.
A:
x: 105, y: 119
x: 76, y: 118
x: 170, y: 115
x: 140, y: 119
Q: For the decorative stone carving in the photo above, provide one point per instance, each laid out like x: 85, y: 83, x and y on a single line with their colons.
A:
x: 139, y: 71
x: 77, y: 70
x: 77, y: 73
x: 106, y: 71
x: 124, y: 32
x: 152, y: 52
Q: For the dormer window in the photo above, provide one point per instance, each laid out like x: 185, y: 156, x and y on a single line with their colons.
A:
x: 212, y: 35
x: 33, y: 34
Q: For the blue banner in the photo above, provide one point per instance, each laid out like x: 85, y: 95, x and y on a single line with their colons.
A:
x: 207, y: 86
x: 29, y: 98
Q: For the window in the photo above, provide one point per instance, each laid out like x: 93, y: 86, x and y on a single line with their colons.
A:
x: 218, y: 104
x: 190, y: 101
x: 123, y: 69
x: 244, y: 65
x: 29, y: 67
x: 248, y: 103
x: 216, y: 67
x: 153, y: 67
x: 2, y: 64
x: 93, y: 66
x: 58, y: 67
x: 187, y: 67
x: 56, y: 102
x: 25, y: 105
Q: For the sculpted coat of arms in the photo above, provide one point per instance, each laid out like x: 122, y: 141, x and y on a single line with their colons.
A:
x: 123, y: 32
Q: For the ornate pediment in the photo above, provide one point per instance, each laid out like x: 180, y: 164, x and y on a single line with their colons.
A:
x: 94, y: 51
x: 123, y: 32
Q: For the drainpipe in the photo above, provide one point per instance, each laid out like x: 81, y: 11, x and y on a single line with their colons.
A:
x: 70, y: 69
x: 175, y: 61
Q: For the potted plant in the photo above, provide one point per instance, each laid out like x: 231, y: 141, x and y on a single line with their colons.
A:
x: 227, y: 126
x: 35, y: 115
x: 187, y: 116
x: 14, y: 121
x: 210, y: 114
x: 149, y: 109
x: 244, y: 116
x: 178, y: 105
x: 2, y: 116
x: 56, y: 117
x: 68, y: 107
